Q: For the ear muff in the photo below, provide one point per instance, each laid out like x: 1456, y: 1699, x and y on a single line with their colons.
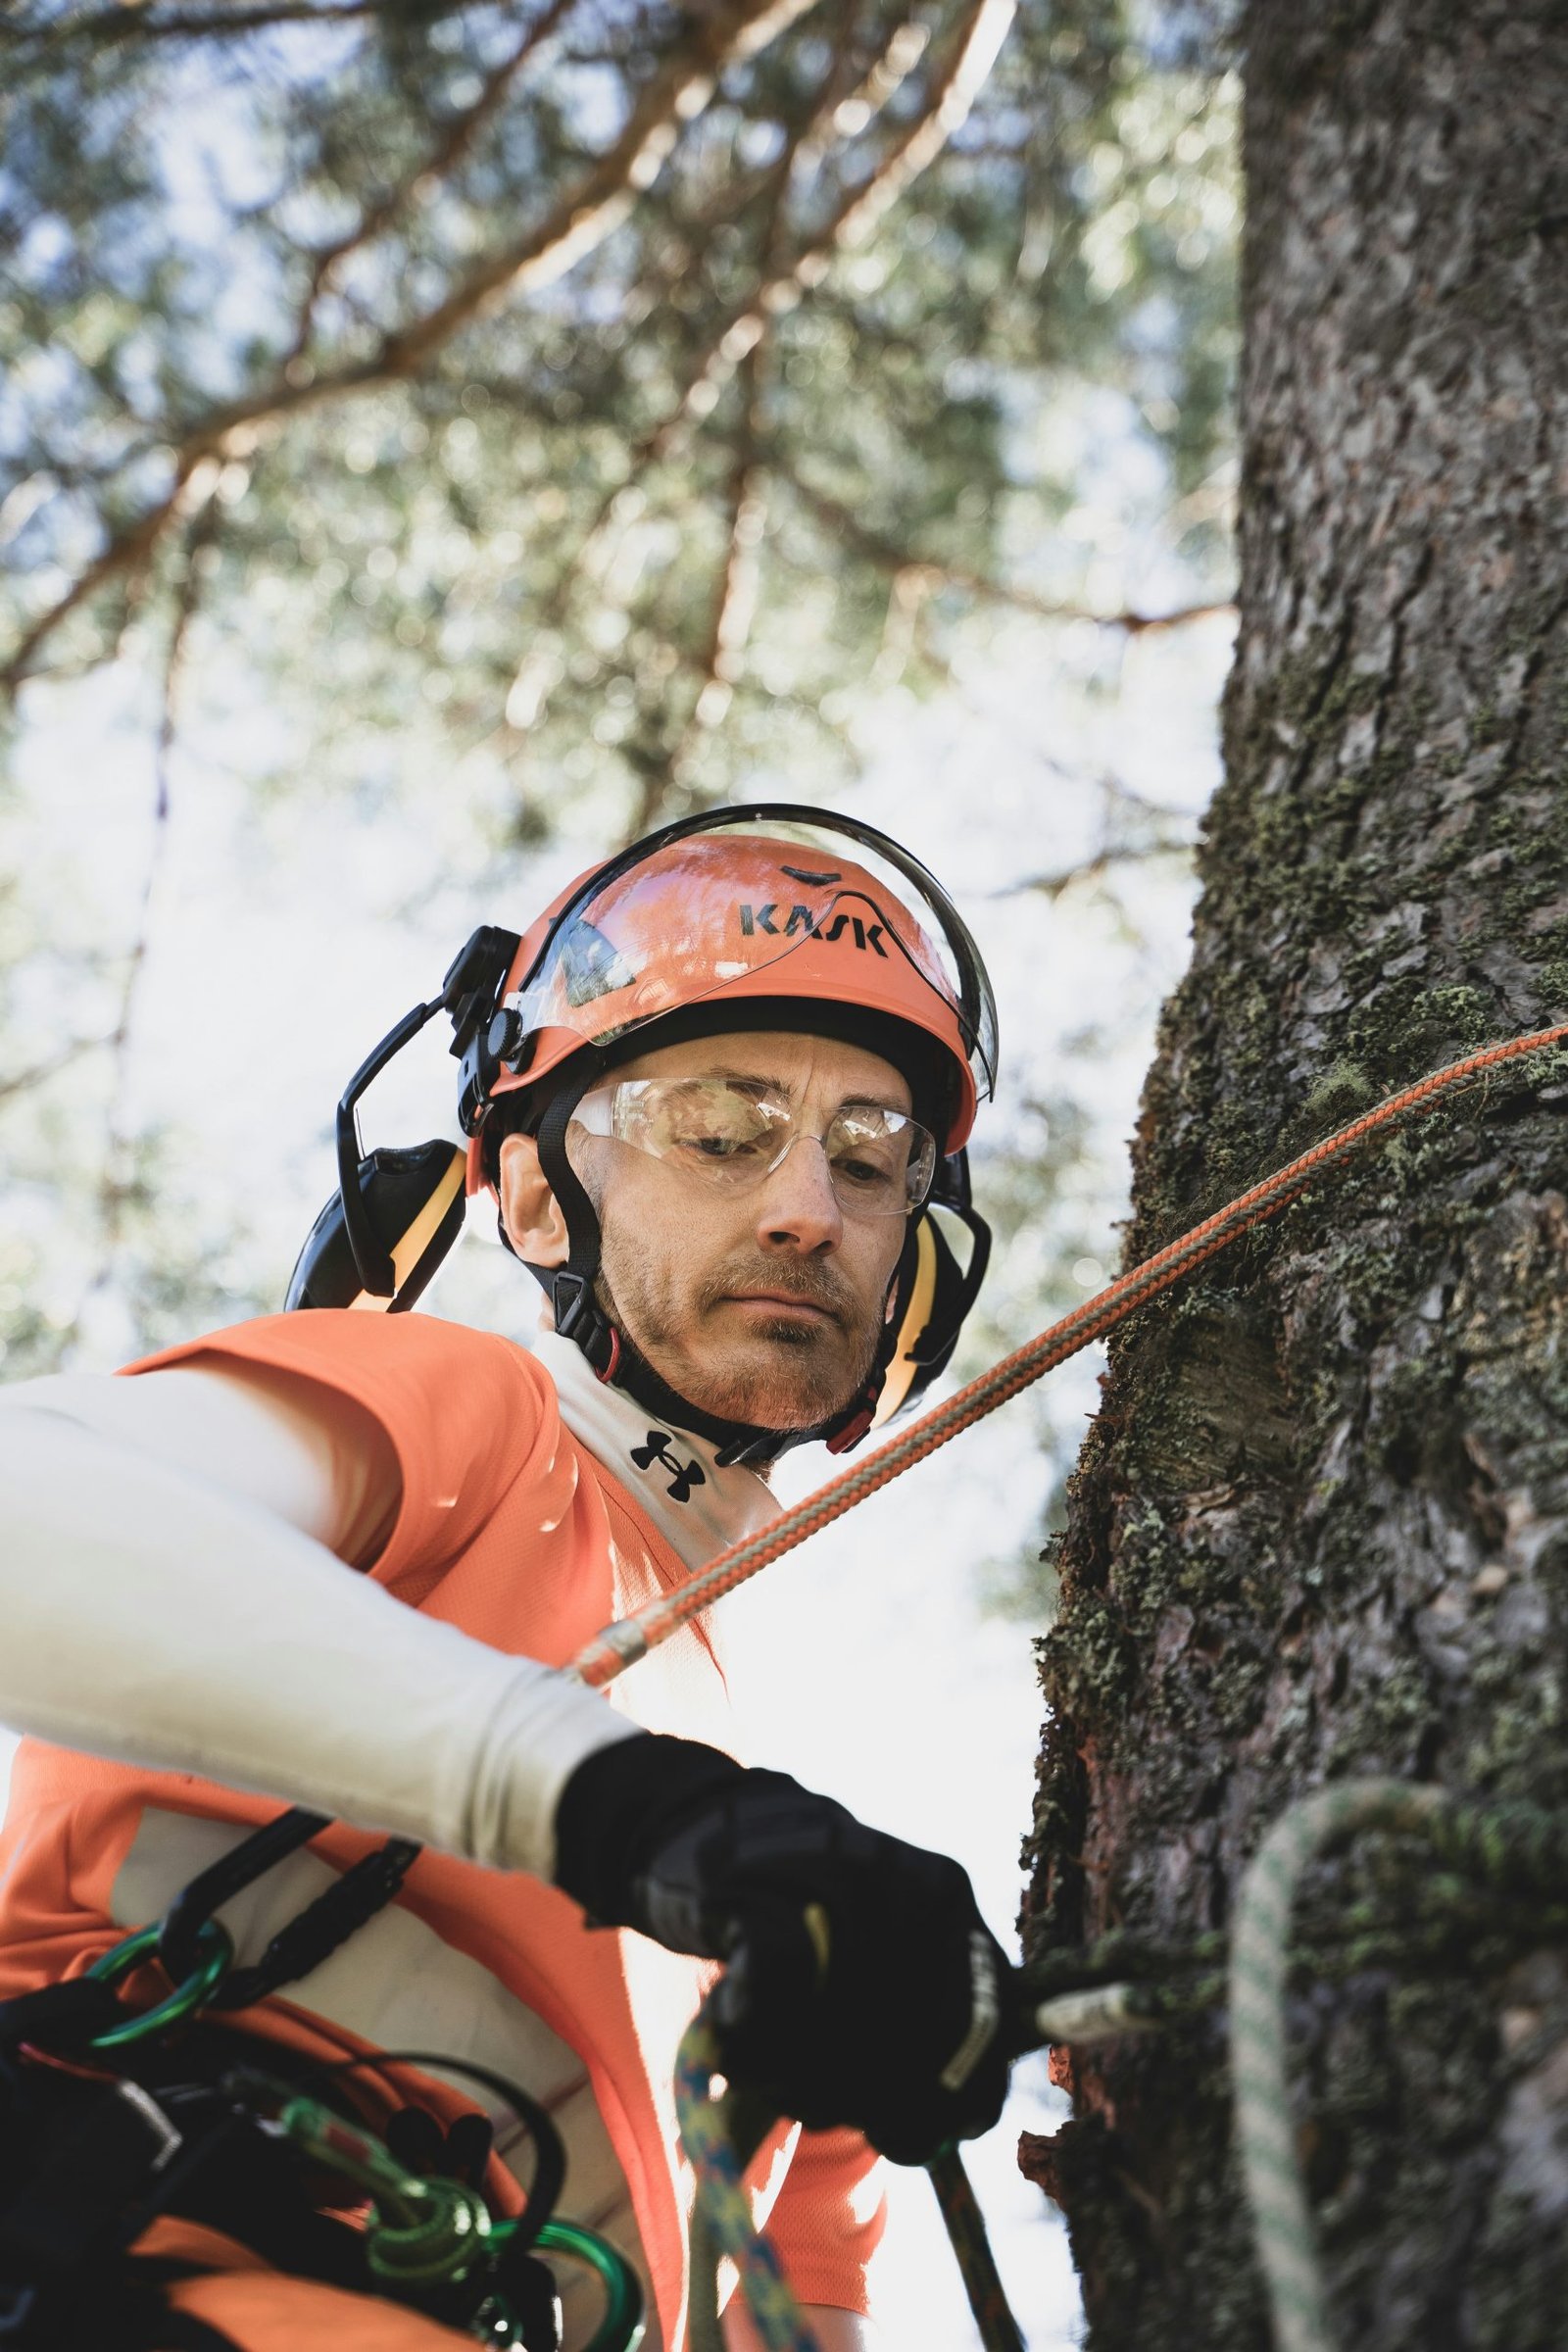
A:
x: 413, y: 1197
x: 900, y: 1377
x: 938, y: 1294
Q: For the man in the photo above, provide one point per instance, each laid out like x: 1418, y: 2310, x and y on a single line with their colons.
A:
x: 716, y: 1091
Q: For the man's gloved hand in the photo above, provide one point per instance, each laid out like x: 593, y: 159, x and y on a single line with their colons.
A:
x: 863, y: 1988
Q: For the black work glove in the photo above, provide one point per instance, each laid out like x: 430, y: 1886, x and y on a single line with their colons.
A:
x: 863, y: 1988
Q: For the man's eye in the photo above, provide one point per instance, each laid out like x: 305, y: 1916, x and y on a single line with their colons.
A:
x: 715, y: 1144
x: 862, y: 1173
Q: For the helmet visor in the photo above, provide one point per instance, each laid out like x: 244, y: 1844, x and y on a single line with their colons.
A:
x: 762, y: 901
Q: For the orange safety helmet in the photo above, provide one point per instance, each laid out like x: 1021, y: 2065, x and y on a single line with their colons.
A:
x: 714, y: 912
x: 738, y: 917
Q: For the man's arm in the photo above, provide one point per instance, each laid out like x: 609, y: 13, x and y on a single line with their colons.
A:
x: 176, y: 1616
x: 309, y: 1454
x: 169, y: 1597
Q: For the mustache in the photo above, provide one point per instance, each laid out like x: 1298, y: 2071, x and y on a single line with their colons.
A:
x: 815, y: 1286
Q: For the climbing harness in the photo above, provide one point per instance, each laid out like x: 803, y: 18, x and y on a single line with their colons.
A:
x: 432, y: 2231
x: 430, y: 2238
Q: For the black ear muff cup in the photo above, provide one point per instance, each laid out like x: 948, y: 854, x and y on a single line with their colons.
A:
x: 414, y: 1198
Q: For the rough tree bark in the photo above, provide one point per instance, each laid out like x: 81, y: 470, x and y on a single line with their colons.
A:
x: 1321, y: 1524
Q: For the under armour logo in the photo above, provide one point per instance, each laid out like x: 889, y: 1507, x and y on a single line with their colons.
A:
x: 683, y: 1476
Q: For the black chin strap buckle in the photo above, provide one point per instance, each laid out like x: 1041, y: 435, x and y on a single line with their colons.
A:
x: 580, y: 1319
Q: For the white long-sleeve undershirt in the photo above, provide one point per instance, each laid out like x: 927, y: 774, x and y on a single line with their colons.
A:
x: 173, y: 1593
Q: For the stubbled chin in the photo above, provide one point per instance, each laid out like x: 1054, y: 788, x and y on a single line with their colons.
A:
x: 786, y: 1384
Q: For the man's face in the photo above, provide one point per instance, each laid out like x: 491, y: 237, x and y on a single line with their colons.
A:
x: 765, y: 1305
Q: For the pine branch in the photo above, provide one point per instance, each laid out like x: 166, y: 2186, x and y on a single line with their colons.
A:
x: 126, y: 555
x: 112, y: 1187
x: 462, y: 132
x: 24, y: 1082
x: 577, y: 223
x: 1098, y: 863
x: 861, y: 104
x: 889, y: 557
x: 734, y: 605
x: 690, y: 234
x: 137, y: 20
x: 780, y: 288
x: 948, y: 103
x: 673, y: 99
x: 907, y: 592
x: 530, y: 689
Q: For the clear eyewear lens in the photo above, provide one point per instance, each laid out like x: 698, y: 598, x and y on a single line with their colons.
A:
x: 881, y: 1163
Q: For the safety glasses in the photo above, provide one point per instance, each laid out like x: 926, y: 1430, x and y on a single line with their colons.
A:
x: 730, y: 1132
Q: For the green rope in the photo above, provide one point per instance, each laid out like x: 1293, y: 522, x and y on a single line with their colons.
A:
x: 1515, y: 1848
x: 424, y: 2231
x: 1282, y: 2220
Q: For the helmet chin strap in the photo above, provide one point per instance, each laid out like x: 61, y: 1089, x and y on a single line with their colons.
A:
x: 581, y: 1318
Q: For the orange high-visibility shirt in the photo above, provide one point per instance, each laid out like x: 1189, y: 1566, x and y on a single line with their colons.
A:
x: 512, y: 1530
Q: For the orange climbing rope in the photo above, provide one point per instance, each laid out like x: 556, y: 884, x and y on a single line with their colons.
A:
x: 622, y: 1643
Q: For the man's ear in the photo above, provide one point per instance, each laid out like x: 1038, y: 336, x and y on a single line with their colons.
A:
x: 529, y: 1209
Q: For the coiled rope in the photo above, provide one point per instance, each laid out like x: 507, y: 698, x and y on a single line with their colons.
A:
x: 1265, y: 2130
x: 621, y: 1644
x: 1514, y: 1847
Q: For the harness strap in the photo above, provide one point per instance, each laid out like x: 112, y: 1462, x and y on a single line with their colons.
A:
x: 307, y: 1940
x: 179, y: 1936
x: 316, y: 1932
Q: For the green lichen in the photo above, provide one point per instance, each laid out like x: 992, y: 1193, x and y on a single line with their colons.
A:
x: 1336, y: 1095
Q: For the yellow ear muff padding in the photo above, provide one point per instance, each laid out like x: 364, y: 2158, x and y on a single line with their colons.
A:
x: 416, y: 1200
x: 900, y: 1373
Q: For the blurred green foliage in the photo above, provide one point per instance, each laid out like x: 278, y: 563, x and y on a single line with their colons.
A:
x: 513, y: 470
x: 577, y: 535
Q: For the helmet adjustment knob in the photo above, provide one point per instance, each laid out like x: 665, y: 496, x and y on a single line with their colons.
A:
x: 504, y: 1037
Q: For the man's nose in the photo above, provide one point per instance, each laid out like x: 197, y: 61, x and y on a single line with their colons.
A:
x: 799, y: 1209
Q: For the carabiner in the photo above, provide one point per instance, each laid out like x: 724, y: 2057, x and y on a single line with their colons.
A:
x: 215, y: 1957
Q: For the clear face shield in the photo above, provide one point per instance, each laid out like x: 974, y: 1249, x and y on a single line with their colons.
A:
x: 750, y: 905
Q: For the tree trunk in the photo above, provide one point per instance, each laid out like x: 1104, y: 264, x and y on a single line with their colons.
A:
x: 1320, y: 1528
